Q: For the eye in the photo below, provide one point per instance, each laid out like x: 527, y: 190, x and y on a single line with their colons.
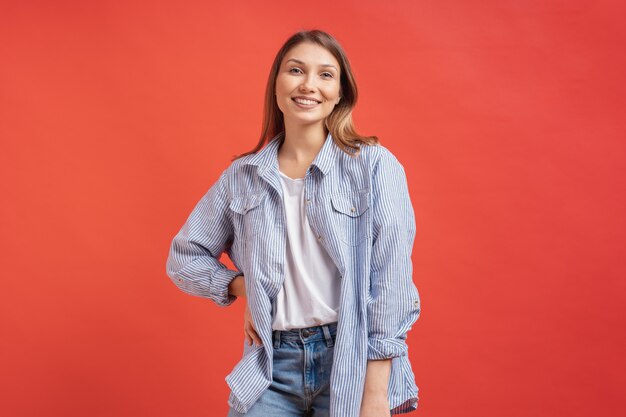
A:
x: 294, y: 68
x: 327, y: 75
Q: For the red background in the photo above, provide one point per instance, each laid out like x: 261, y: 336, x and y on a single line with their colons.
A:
x: 507, y: 115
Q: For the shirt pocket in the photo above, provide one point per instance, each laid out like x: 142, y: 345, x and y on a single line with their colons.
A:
x: 350, y: 217
x: 248, y: 214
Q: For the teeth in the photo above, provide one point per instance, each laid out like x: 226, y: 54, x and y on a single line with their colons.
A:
x: 304, y: 101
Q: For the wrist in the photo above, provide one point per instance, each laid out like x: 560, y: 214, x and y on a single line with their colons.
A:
x: 237, y: 286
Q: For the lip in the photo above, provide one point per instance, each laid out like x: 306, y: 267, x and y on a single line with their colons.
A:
x: 305, y: 106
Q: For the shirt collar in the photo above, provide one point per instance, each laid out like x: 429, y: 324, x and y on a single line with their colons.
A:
x: 267, y: 157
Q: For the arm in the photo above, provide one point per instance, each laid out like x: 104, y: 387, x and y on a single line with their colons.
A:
x: 237, y: 287
x: 192, y: 263
x: 393, y: 303
x: 375, y: 396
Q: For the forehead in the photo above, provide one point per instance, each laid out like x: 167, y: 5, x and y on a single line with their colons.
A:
x: 311, y: 54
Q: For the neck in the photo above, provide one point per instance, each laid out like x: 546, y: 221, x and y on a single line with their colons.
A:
x: 302, y: 142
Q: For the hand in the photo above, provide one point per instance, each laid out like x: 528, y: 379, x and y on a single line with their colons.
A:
x: 375, y: 404
x: 249, y: 329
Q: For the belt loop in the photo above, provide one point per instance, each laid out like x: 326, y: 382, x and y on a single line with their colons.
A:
x: 276, y: 339
x: 329, y: 339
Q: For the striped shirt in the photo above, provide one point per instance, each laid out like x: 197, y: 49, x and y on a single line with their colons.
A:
x: 362, y: 214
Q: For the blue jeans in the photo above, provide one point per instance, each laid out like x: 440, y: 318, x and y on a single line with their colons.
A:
x: 301, y: 378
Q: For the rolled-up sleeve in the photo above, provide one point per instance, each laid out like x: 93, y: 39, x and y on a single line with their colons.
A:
x: 193, y: 263
x: 393, y: 303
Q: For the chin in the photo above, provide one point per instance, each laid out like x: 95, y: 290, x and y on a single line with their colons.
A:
x: 306, y: 121
x: 307, y: 117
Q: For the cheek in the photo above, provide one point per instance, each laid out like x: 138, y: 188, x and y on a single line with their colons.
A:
x: 332, y: 92
x: 282, y: 96
x: 284, y: 85
x: 332, y: 95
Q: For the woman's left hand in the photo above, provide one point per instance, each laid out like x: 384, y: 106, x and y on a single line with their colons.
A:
x: 375, y: 402
x: 375, y: 405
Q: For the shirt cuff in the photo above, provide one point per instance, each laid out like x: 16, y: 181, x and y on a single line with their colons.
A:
x: 219, y: 286
x: 386, y: 348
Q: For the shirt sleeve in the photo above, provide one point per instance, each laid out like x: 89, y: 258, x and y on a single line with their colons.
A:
x: 393, y: 303
x: 193, y: 263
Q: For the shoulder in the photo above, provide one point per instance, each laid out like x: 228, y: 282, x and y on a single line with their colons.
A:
x: 238, y: 165
x: 379, y: 156
x: 238, y: 177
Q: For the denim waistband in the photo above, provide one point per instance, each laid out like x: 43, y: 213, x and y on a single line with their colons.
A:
x: 326, y: 332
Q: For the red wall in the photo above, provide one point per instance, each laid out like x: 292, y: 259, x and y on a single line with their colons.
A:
x: 116, y: 117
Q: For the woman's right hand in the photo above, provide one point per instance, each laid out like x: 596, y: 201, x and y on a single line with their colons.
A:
x: 237, y: 287
x: 249, y: 329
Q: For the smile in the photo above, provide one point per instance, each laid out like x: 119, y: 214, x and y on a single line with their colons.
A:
x: 306, y: 103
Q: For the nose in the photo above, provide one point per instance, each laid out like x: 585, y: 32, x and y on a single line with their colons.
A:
x: 308, y: 84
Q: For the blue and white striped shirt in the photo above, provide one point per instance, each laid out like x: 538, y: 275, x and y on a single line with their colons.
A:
x: 361, y: 211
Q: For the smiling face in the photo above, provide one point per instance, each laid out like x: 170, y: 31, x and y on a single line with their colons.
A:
x: 308, y: 84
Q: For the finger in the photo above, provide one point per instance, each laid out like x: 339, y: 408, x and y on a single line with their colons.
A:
x: 246, y: 333
x: 250, y: 332
x: 256, y: 337
x: 251, y: 338
x: 253, y: 333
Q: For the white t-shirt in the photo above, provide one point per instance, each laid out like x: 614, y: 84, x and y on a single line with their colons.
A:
x: 310, y: 293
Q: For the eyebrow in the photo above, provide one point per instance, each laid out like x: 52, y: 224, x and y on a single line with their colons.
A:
x: 302, y: 63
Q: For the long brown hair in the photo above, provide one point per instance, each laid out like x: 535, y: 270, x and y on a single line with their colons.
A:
x: 339, y: 121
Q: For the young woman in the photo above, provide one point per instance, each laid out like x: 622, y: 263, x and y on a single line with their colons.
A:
x: 320, y: 227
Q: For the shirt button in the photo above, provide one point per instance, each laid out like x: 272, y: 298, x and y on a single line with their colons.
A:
x: 353, y: 209
x: 416, y: 303
x: 319, y: 237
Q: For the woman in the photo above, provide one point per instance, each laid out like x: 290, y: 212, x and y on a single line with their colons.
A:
x: 320, y: 226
